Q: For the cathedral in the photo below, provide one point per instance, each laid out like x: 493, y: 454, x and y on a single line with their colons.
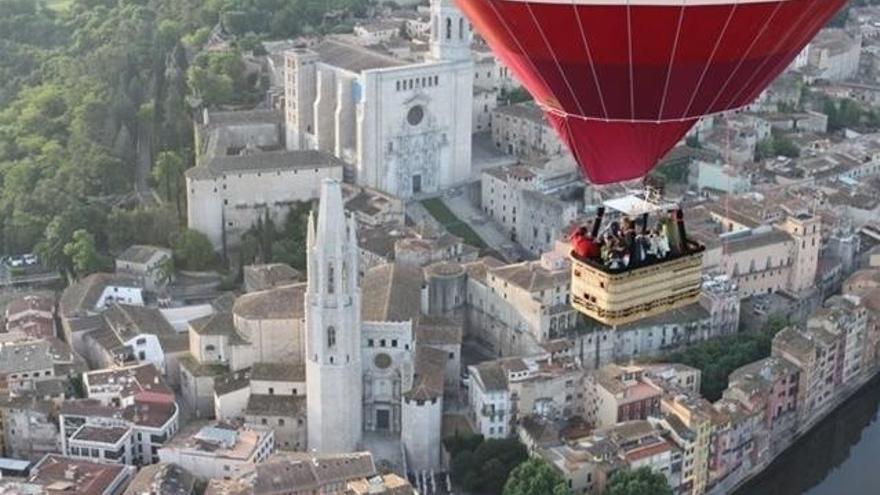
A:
x: 404, y: 125
x: 374, y: 364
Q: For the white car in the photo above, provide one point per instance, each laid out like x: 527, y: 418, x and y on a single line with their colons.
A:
x: 30, y: 259
x: 16, y: 262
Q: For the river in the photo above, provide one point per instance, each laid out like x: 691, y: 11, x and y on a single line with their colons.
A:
x: 837, y: 457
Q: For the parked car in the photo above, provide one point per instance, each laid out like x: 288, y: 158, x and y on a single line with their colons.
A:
x: 16, y: 262
x: 30, y: 259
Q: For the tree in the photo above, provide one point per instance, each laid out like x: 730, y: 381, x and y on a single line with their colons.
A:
x: 642, y: 481
x: 193, y: 251
x: 165, y: 271
x: 485, y: 468
x: 718, y: 358
x: 517, y: 95
x: 168, y: 175
x: 535, y: 477
x: 83, y: 253
x: 153, y: 226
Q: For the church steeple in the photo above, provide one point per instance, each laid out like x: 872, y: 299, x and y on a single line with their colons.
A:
x: 451, y: 33
x: 333, y: 327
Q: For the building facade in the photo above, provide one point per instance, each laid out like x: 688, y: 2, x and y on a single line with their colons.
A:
x: 406, y: 127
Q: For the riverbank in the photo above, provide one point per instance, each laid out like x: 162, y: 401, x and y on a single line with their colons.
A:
x: 752, y: 482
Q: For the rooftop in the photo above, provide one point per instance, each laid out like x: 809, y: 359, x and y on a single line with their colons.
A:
x: 217, y: 324
x: 230, y: 382
x: 692, y: 314
x: 526, y: 110
x: 260, y: 162
x: 351, y: 57
x: 278, y: 372
x: 755, y: 240
x: 64, y: 474
x: 428, y: 376
x: 220, y: 440
x: 217, y: 118
x: 28, y: 303
x: 130, y: 321
x: 133, y: 381
x: 81, y: 297
x: 279, y: 303
x: 392, y: 292
x: 100, y: 434
x: 262, y: 277
x: 161, y: 479
x: 437, y: 331
x: 389, y: 484
x: 531, y: 276
x: 18, y: 357
x: 303, y: 471
x: 276, y: 405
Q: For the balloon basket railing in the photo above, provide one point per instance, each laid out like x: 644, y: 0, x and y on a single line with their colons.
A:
x: 620, y: 297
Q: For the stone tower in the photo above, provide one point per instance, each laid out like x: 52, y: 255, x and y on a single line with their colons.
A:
x: 334, y: 384
x: 451, y: 33
x: 805, y: 229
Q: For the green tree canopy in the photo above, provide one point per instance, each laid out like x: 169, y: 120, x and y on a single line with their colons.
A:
x: 83, y: 253
x: 642, y: 481
x: 718, y: 358
x: 485, y: 468
x: 535, y: 477
x: 193, y: 251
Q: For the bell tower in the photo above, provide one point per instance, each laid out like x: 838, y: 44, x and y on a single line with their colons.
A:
x: 334, y: 386
x: 451, y: 33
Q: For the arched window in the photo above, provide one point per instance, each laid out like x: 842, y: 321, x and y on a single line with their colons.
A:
x: 448, y: 28
x: 331, y: 336
x: 461, y: 28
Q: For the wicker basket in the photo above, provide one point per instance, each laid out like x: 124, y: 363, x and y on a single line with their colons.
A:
x: 620, y: 297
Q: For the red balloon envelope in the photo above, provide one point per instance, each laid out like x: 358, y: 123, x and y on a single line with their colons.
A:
x: 622, y: 81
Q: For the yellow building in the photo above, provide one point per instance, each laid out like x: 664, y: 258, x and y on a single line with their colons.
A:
x: 696, y: 414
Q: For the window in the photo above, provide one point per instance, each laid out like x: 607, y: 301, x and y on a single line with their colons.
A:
x: 448, y: 28
x: 461, y: 28
x: 271, y: 391
x: 393, y: 342
x: 370, y: 343
x: 331, y: 282
x: 331, y: 336
x: 280, y: 422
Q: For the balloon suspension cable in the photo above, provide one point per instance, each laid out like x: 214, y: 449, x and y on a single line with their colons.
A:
x: 727, y: 163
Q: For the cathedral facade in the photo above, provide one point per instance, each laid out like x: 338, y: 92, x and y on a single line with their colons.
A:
x: 403, y: 125
x: 367, y: 370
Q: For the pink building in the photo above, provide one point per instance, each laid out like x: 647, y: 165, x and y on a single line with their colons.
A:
x: 769, y: 389
x: 818, y: 354
x: 616, y: 394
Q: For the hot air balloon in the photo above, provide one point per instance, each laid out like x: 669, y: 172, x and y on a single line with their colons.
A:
x: 622, y: 81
